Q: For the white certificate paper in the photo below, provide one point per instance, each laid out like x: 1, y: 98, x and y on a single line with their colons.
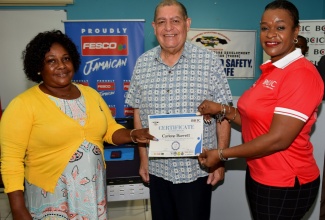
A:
x: 179, y: 135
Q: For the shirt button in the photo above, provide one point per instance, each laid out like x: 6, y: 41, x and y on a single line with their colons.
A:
x: 169, y: 71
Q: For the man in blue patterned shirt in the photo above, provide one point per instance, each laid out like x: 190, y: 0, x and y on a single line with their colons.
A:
x: 175, y: 77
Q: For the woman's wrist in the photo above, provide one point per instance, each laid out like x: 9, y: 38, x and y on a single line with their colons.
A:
x: 131, y: 136
x: 220, y: 153
x: 230, y: 119
x: 222, y: 113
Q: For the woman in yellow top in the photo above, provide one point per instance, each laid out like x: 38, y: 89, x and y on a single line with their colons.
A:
x: 52, y: 135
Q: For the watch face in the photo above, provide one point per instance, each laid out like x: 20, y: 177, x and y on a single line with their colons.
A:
x: 175, y: 145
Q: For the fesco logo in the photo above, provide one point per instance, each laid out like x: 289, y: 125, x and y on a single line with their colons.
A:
x: 105, y: 86
x: 113, y: 110
x: 104, y: 45
x: 128, y: 111
x: 126, y: 85
x: 112, y: 45
x: 82, y: 82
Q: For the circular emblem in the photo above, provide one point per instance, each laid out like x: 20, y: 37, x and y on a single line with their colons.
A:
x: 175, y: 145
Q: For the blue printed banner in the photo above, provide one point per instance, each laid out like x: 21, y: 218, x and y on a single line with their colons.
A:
x: 109, y: 50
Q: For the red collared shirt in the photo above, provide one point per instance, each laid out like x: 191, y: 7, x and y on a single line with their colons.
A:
x: 292, y: 87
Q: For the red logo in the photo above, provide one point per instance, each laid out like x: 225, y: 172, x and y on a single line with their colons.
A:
x: 113, y: 111
x: 128, y: 111
x: 126, y: 86
x: 104, y: 45
x: 82, y: 82
x: 101, y: 86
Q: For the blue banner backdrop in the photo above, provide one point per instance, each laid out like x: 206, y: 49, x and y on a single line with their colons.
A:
x: 109, y: 50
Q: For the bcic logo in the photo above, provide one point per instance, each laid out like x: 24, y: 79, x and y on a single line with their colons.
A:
x: 112, y: 45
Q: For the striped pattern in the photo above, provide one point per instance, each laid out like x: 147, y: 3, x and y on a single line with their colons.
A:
x: 291, y: 113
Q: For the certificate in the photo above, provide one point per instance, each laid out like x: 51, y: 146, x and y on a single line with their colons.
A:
x: 179, y: 135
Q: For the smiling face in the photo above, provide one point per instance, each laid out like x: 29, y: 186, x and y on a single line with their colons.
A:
x: 170, y: 28
x: 58, y: 69
x: 277, y: 33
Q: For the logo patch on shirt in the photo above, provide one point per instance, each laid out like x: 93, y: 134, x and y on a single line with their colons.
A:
x: 270, y: 84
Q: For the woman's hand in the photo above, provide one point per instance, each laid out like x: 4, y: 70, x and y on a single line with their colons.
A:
x: 17, y: 206
x: 209, y: 108
x: 123, y: 136
x: 142, y: 135
x: 209, y: 158
x: 21, y: 215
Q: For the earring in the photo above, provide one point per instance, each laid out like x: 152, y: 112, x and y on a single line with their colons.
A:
x: 295, y: 40
x: 39, y: 73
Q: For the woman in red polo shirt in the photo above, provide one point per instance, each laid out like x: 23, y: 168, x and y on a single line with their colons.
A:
x: 276, y: 115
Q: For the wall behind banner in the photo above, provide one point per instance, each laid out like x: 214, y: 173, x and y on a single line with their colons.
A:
x: 216, y: 14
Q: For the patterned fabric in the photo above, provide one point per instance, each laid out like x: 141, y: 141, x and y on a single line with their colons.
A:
x: 156, y: 88
x: 73, y: 108
x: 80, y: 192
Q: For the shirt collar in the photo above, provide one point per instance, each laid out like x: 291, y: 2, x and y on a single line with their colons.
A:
x: 186, y: 51
x: 290, y: 58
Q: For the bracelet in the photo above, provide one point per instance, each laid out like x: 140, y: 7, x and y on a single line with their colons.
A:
x: 229, y: 108
x: 132, y: 137
x: 222, y: 113
x: 233, y: 118
x: 221, y: 155
x: 223, y: 109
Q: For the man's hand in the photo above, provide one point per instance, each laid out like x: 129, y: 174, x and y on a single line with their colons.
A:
x: 144, y: 170
x: 216, y: 174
